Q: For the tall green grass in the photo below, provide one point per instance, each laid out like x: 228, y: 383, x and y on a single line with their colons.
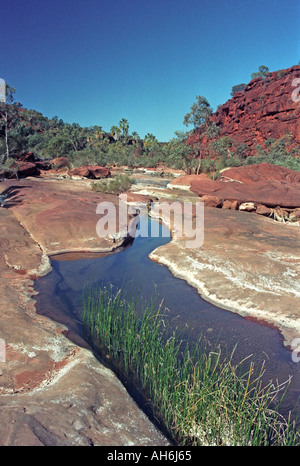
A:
x: 201, y: 397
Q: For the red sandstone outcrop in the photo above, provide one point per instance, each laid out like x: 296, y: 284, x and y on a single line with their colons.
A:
x: 64, y: 219
x: 260, y: 172
x: 21, y: 170
x: 264, y: 185
x: 60, y: 162
x: 27, y: 169
x: 264, y: 110
x: 272, y: 194
x: 90, y: 171
x: 26, y: 164
x: 30, y: 157
x: 53, y: 392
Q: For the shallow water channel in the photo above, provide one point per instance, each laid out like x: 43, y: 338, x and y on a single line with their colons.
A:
x: 60, y: 298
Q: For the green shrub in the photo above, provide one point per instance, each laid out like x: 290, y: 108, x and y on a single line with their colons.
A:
x: 9, y: 167
x: 116, y: 185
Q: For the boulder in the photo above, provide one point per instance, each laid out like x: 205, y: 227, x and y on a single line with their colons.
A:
x: 99, y: 172
x: 260, y: 172
x: 211, y: 201
x: 263, y: 210
x: 27, y: 169
x: 26, y: 157
x: 295, y: 215
x: 82, y: 172
x: 90, y: 171
x: 60, y: 162
x: 234, y: 205
x: 227, y: 204
x: 21, y: 170
x: 247, y: 206
x: 25, y: 164
x: 43, y: 165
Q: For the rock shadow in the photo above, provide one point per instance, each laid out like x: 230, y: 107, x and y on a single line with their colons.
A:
x: 10, y: 197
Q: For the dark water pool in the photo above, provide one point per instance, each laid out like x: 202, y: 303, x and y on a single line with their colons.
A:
x: 60, y: 298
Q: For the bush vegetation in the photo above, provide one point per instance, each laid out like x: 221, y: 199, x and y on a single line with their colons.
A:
x: 228, y: 153
x: 49, y: 138
x: 117, y: 185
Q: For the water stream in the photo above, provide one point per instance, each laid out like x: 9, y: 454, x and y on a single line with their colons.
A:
x: 60, y: 298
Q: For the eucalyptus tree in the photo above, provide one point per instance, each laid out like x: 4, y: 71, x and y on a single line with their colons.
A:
x: 199, y: 117
x: 263, y: 72
x: 181, y: 154
x: 76, y: 134
x: 199, y: 114
x: 237, y: 88
x: 12, y: 125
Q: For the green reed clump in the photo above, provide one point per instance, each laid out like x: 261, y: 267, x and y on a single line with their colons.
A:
x: 202, y: 398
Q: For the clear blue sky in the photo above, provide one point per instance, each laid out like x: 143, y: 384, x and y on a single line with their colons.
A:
x: 96, y: 61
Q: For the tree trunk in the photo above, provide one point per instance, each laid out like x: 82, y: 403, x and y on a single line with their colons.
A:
x: 6, y: 156
x: 199, y: 164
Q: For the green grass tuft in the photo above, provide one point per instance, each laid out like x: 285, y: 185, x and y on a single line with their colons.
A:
x: 201, y: 397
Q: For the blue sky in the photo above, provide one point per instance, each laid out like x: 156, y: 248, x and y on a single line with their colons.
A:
x: 96, y: 61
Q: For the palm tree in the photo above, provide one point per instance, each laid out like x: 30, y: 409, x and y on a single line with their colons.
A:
x: 115, y: 132
x: 124, y: 127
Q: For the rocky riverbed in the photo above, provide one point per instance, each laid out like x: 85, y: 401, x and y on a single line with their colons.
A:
x: 53, y: 392
x: 247, y: 263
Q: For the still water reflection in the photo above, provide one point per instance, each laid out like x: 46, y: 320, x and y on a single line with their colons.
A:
x: 60, y: 297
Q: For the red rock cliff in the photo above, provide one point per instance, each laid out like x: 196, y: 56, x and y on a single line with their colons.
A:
x: 264, y: 110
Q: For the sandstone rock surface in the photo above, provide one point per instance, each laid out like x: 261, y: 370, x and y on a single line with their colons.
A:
x: 247, y: 263
x: 53, y: 392
x: 262, y: 172
x: 90, y: 171
x: 264, y: 184
x: 61, y: 216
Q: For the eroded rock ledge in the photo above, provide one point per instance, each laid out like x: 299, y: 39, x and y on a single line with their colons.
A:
x: 262, y: 188
x: 247, y: 264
